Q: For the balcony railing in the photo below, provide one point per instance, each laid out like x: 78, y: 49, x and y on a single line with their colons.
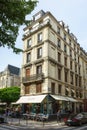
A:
x: 33, y: 78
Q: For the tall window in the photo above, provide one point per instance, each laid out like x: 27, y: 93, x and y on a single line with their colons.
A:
x: 39, y: 52
x: 75, y: 67
x: 28, y: 57
x: 27, y: 72
x: 64, y: 36
x: 59, y: 57
x: 27, y: 89
x: 53, y: 88
x: 71, y: 65
x: 59, y: 89
x: 39, y: 69
x: 58, y: 42
x: 70, y: 53
x: 65, y: 48
x: 71, y: 77
x: 29, y: 43
x: 58, y: 30
x: 76, y: 80
x: 65, y: 61
x: 38, y: 88
x: 66, y: 74
x: 70, y: 41
x: 59, y: 73
x: 39, y: 37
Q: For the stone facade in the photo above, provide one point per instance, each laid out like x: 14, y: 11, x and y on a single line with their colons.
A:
x: 53, y: 61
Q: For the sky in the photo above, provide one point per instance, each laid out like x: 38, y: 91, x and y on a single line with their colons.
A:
x: 72, y: 12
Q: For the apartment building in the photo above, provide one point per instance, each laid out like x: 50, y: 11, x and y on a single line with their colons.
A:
x: 10, y: 77
x: 54, y: 70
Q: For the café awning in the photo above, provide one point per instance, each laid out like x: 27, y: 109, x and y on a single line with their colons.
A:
x: 71, y: 99
x: 58, y: 97
x: 31, y: 99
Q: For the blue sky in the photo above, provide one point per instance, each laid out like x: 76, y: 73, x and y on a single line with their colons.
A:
x: 72, y: 12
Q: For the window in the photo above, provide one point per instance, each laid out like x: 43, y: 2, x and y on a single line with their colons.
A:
x: 59, y: 73
x: 65, y: 48
x: 72, y: 93
x: 64, y: 36
x: 28, y: 43
x: 58, y: 42
x: 66, y: 74
x: 65, y: 61
x: 39, y: 52
x: 59, y: 57
x: 70, y: 41
x: 71, y: 77
x: 80, y: 81
x: 71, y: 65
x: 27, y: 72
x: 66, y: 92
x: 27, y: 89
x: 39, y: 37
x: 58, y: 30
x: 75, y: 67
x: 53, y: 88
x: 28, y: 57
x: 70, y: 53
x: 38, y: 88
x: 59, y: 88
x: 39, y: 69
x: 76, y: 80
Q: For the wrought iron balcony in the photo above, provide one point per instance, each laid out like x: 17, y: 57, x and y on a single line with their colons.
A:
x: 33, y: 78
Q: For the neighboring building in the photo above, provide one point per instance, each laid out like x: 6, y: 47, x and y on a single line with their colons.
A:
x: 54, y: 70
x: 10, y: 77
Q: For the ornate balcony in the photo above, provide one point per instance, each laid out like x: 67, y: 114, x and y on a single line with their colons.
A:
x: 33, y: 78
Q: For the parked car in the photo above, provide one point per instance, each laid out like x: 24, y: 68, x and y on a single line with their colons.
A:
x: 76, y: 119
x: 42, y: 117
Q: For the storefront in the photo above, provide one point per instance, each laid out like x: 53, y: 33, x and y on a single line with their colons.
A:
x: 47, y: 103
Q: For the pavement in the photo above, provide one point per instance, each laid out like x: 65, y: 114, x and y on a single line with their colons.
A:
x: 33, y: 123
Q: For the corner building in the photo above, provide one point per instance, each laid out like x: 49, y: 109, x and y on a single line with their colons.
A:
x: 54, y: 70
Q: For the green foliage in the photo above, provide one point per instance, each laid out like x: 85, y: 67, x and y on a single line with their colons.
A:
x: 12, y: 16
x: 9, y: 95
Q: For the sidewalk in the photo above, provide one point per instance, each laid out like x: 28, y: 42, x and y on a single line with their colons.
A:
x: 33, y: 123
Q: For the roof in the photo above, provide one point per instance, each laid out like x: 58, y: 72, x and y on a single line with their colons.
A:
x: 13, y: 69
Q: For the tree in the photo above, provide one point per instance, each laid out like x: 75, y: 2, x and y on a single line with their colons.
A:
x: 10, y: 94
x: 12, y: 16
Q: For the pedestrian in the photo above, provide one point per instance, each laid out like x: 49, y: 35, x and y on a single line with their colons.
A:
x: 59, y: 116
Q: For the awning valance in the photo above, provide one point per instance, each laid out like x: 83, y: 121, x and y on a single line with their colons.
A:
x: 71, y: 99
x: 57, y: 97
x: 63, y: 98
x: 31, y: 99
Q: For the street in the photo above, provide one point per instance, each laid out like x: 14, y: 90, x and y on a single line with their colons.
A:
x: 36, y: 127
